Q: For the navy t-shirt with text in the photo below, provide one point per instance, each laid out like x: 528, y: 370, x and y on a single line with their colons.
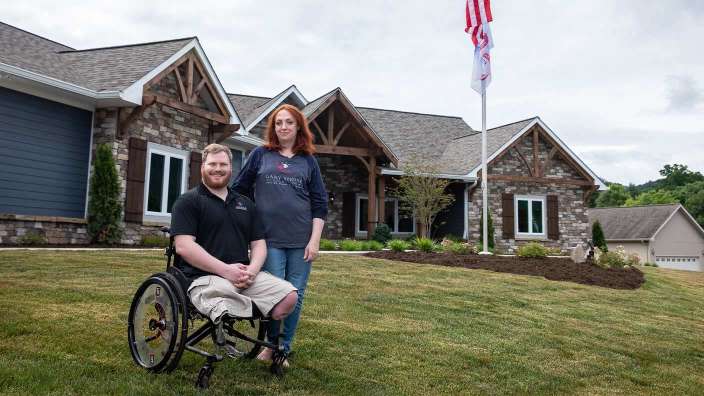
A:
x: 289, y: 193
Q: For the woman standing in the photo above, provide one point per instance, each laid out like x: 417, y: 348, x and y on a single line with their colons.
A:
x: 292, y: 202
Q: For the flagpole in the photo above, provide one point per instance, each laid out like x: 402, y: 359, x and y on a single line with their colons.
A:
x: 485, y: 221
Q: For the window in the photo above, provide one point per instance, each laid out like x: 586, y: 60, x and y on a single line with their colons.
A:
x: 165, y: 179
x: 530, y: 216
x: 398, y: 220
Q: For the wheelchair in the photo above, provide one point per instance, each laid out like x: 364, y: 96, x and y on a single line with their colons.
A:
x: 158, y: 327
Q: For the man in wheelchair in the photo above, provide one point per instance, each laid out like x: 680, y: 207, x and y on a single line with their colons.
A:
x: 212, y: 228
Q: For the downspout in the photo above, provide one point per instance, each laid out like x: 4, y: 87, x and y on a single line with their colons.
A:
x: 467, y: 189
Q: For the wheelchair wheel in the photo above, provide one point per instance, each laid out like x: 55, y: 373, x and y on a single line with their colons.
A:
x: 157, y: 325
x: 254, y: 329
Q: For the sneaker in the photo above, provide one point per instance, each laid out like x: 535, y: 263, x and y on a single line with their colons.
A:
x: 265, y: 355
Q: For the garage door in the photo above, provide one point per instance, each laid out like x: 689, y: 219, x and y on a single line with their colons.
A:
x: 44, y: 154
x: 690, y: 263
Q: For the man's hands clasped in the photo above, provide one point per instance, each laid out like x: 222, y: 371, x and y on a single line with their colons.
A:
x: 240, y: 275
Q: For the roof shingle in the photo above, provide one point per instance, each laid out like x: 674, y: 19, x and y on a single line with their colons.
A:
x: 99, y: 69
x: 635, y: 222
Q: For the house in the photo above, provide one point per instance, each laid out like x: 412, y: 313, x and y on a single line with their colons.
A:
x: 663, y: 234
x: 158, y: 104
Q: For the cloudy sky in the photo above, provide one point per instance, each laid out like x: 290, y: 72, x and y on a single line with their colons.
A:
x: 621, y: 82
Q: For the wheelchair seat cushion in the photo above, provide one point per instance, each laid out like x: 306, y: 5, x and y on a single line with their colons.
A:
x: 214, y: 296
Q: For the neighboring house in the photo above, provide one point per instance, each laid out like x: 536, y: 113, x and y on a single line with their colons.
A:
x: 158, y: 104
x: 664, y: 234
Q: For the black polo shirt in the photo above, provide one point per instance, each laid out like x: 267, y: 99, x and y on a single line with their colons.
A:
x: 223, y: 229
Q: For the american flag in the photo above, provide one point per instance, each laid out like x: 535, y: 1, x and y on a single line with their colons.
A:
x: 478, y: 13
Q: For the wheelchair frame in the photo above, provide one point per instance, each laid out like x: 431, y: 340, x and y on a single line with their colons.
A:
x: 168, y: 324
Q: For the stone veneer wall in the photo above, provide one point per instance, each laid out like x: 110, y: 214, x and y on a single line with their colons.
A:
x: 341, y: 174
x: 572, y: 212
x: 158, y: 124
x: 13, y: 228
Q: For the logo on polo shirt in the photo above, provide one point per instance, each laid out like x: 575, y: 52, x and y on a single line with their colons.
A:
x: 240, y: 206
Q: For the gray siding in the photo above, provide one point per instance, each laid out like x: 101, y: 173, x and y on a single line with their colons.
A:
x: 44, y: 153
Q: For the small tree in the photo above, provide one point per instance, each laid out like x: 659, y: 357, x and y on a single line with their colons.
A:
x: 490, y: 230
x: 104, y: 206
x: 423, y: 194
x: 616, y: 195
x: 598, y: 238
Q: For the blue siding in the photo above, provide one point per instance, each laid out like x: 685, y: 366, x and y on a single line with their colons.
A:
x: 44, y: 152
x: 451, y: 219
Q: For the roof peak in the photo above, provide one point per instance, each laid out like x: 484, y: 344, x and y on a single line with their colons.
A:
x: 36, y: 35
x: 130, y: 45
x: 515, y: 122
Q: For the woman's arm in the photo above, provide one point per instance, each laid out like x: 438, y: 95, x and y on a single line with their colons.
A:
x: 319, y: 210
x: 244, y: 182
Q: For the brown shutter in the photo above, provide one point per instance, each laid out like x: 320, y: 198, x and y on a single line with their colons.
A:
x: 194, y: 169
x: 553, y: 223
x: 507, y: 216
x: 348, y: 214
x: 136, y: 164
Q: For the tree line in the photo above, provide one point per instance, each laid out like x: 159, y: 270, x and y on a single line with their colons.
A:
x: 678, y: 184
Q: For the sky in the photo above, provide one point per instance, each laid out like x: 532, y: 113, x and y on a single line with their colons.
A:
x: 620, y: 82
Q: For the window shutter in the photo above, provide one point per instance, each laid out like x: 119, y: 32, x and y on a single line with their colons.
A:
x: 553, y: 223
x: 194, y: 169
x: 136, y: 164
x: 348, y: 214
x: 507, y: 216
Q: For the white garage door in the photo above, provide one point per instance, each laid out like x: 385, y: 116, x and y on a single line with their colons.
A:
x: 688, y: 263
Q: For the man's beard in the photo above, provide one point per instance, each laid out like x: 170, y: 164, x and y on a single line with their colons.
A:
x: 210, y: 181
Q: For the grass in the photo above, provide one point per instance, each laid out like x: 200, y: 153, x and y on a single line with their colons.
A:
x: 369, y: 327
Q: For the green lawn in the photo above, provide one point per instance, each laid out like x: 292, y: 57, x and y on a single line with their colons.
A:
x: 369, y: 327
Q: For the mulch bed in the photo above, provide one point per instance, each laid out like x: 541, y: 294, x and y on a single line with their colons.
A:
x: 559, y: 269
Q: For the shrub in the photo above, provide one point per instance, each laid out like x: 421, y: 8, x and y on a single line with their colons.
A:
x: 632, y: 259
x: 425, y: 245
x: 462, y: 248
x: 555, y: 251
x: 350, y: 245
x: 453, y: 238
x: 612, y: 260
x: 326, y: 244
x: 598, y: 238
x: 532, y: 249
x: 104, y: 207
x: 372, y: 245
x: 398, y: 245
x: 382, y: 233
x: 32, y: 238
x: 490, y: 231
x: 649, y: 264
x: 155, y: 241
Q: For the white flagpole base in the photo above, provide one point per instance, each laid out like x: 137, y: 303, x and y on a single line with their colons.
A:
x: 486, y: 253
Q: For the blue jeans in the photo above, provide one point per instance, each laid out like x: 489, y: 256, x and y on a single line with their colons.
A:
x: 288, y: 264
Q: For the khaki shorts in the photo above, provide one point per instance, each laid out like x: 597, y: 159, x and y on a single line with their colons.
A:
x: 215, y: 296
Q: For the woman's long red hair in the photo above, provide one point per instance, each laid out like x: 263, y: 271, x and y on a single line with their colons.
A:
x: 304, y: 137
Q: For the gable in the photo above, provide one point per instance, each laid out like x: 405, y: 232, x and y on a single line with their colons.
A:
x: 537, y: 147
x: 534, y: 154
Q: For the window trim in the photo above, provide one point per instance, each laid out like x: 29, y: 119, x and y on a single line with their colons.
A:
x: 359, y: 197
x: 530, y: 199
x: 167, y: 152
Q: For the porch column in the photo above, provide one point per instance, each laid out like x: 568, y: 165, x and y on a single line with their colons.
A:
x: 382, y: 197
x: 371, y: 201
